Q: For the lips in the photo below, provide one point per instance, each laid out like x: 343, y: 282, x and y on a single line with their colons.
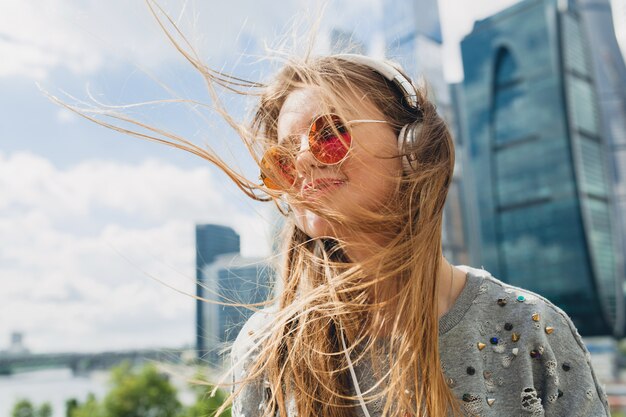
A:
x: 321, y: 184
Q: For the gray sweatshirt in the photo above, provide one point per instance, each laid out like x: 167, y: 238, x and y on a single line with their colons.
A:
x: 505, y: 352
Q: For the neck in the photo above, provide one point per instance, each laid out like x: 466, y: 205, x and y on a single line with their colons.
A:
x: 450, y: 283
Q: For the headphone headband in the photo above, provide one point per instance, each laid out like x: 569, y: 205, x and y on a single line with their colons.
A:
x: 390, y: 73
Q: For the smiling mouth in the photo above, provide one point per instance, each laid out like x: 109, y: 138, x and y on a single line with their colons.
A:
x: 321, y: 185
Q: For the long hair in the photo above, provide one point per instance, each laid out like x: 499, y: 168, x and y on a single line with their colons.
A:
x: 385, y: 308
x: 325, y: 295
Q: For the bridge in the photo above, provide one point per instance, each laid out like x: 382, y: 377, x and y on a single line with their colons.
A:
x: 81, y: 363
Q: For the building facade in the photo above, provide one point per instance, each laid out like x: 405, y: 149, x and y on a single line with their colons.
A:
x: 230, y: 279
x: 211, y: 241
x: 540, y: 185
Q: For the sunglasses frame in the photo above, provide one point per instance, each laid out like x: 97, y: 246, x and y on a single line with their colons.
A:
x: 271, y: 184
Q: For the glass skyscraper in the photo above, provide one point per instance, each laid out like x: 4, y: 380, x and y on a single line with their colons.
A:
x: 230, y: 279
x: 538, y: 159
x: 211, y: 241
x: 609, y: 73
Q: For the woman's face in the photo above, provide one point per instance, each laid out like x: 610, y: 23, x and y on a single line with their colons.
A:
x: 366, y: 178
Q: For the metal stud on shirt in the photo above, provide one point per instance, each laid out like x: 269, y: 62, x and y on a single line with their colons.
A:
x: 549, y: 329
x: 536, y: 317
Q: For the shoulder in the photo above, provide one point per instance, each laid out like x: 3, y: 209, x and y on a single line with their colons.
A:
x: 246, y: 342
x: 249, y: 391
x: 518, y: 332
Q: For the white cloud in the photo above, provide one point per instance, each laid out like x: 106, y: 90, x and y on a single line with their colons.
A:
x: 79, y: 246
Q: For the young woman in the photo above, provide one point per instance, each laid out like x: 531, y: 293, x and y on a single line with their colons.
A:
x: 372, y: 320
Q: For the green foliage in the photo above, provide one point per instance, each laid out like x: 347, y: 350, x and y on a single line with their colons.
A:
x: 147, y: 393
x: 91, y: 408
x: 143, y: 393
x: 70, y: 406
x: 24, y: 408
x: 205, y: 405
x: 45, y: 410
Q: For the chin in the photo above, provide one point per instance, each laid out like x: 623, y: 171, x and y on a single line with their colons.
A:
x: 312, y: 224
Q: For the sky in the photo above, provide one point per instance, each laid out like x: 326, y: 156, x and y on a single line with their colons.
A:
x: 97, y: 228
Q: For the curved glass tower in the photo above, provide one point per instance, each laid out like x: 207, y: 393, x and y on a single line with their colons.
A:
x: 538, y: 161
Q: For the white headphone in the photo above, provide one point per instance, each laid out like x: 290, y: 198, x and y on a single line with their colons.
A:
x: 409, y: 134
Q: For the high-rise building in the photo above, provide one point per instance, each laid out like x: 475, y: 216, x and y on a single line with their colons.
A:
x: 609, y: 74
x: 230, y: 279
x: 413, y: 39
x: 538, y: 159
x: 211, y: 241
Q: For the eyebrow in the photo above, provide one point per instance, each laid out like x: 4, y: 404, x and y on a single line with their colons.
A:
x: 292, y: 137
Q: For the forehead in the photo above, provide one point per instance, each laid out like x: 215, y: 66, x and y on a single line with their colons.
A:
x: 303, y: 105
x: 298, y: 111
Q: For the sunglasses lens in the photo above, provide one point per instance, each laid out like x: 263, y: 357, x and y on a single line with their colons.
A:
x: 329, y: 139
x: 277, y: 169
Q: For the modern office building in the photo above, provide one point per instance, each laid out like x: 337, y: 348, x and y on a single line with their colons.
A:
x: 211, y: 241
x: 540, y: 185
x: 609, y: 74
x: 230, y: 279
x: 413, y: 38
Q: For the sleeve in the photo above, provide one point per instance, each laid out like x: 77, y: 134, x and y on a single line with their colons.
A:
x: 567, y: 384
x: 250, y: 401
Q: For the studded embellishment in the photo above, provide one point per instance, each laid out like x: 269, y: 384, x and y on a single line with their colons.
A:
x: 470, y: 370
x: 473, y: 405
x: 501, y: 302
x: 515, y: 337
x: 566, y: 366
x: 549, y: 329
x: 481, y: 345
x: 450, y: 382
x: 469, y: 397
x: 521, y: 298
x: 508, y: 326
x: 487, y: 374
x: 490, y: 401
x: 535, y: 354
x: 535, y: 316
x: 494, y: 340
x: 515, y: 351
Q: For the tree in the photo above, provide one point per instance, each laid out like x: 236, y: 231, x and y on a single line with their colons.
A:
x: 147, y: 393
x: 24, y: 408
x: 142, y: 393
x: 205, y: 405
x: 91, y: 408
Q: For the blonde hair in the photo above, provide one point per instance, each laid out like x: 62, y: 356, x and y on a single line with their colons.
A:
x: 303, y: 345
x: 325, y: 295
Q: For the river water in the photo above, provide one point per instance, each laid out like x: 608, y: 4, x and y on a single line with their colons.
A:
x: 58, y: 385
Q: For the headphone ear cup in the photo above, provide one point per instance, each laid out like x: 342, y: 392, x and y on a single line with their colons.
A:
x: 407, y: 146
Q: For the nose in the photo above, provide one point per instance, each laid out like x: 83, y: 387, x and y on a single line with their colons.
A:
x: 304, y: 159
